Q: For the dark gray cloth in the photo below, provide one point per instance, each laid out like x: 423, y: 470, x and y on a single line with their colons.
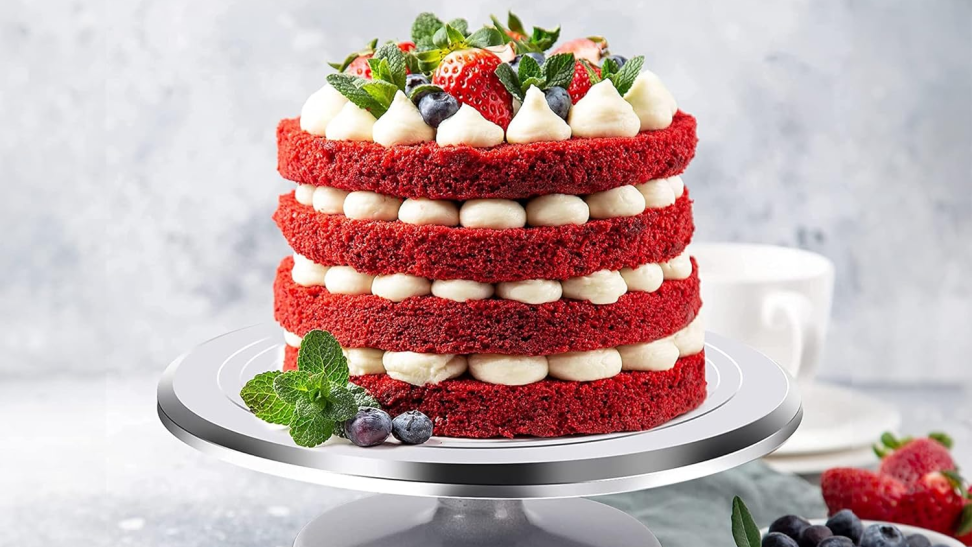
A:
x: 696, y: 513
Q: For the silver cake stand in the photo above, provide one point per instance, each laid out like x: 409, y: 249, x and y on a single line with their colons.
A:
x: 466, y: 492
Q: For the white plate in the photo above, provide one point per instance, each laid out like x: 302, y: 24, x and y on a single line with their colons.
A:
x: 934, y: 537
x: 815, y: 464
x: 837, y: 419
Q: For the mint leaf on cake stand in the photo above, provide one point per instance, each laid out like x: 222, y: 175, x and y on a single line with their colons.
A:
x: 315, y: 400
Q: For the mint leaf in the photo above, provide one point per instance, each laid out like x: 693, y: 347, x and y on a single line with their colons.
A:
x: 595, y: 78
x: 292, y: 386
x: 485, y: 37
x: 608, y: 67
x: 341, y: 404
x: 514, y: 23
x: 507, y: 76
x: 628, y: 73
x: 544, y: 39
x: 744, y: 529
x: 310, y: 429
x: 397, y: 66
x: 383, y: 92
x: 558, y: 70
x: 320, y: 352
x: 528, y: 69
x: 461, y: 25
x: 424, y: 26
x: 361, y: 397
x: 261, y: 398
x: 350, y: 86
x: 532, y: 81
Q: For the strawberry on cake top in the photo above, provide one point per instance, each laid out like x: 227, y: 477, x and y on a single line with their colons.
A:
x: 496, y: 236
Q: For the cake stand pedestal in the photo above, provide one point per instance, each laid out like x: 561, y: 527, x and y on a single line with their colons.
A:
x: 469, y: 492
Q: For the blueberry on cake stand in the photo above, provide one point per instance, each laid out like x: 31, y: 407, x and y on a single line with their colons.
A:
x: 466, y: 492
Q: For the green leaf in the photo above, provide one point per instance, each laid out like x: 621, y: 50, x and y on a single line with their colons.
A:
x: 424, y: 44
x: 441, y: 38
x: 310, y: 429
x: 485, y: 37
x: 608, y: 67
x: 397, y: 63
x: 628, y: 73
x: 362, y: 397
x: 889, y: 440
x: 531, y: 81
x: 544, y: 39
x: 341, y: 404
x: 942, y: 438
x: 558, y: 70
x: 261, y: 398
x: 964, y: 521
x: 595, y: 78
x: 381, y: 91
x: 350, y: 87
x: 514, y: 23
x: 421, y: 90
x: 343, y: 65
x: 744, y: 529
x: 507, y: 76
x: 321, y: 352
x: 455, y: 37
x: 504, y: 37
x: 461, y: 25
x: 528, y: 69
x: 292, y: 386
x: 424, y: 26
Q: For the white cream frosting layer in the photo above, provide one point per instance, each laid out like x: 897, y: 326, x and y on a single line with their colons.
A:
x: 469, y: 127
x: 351, y: 124
x: 535, y: 122
x: 651, y: 101
x: 402, y: 124
x: 546, y: 210
x: 600, y: 287
x: 603, y: 113
x: 320, y: 108
x: 516, y: 370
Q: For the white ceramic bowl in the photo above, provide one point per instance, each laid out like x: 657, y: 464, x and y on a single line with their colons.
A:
x: 934, y: 537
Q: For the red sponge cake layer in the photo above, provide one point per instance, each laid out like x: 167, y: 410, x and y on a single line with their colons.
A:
x: 575, y: 166
x: 487, y: 256
x: 630, y: 401
x: 429, y: 324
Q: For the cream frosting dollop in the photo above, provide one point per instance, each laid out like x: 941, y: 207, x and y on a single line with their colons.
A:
x: 679, y: 267
x: 678, y: 186
x: 320, y: 108
x: 329, y: 200
x: 351, y: 124
x: 347, y: 280
x: 658, y: 193
x: 535, y: 122
x: 363, y: 361
x: 585, y: 366
x: 419, y: 369
x: 424, y: 212
x: 399, y: 286
x: 652, y: 102
x: 603, y: 113
x: 656, y: 356
x: 469, y: 127
x: 498, y: 214
x: 304, y: 194
x: 461, y: 290
x: 623, y: 201
x: 366, y: 205
x: 691, y: 339
x: 532, y: 291
x: 647, y: 277
x: 557, y: 210
x: 600, y: 287
x: 402, y: 124
x: 508, y: 370
x: 292, y: 339
x: 306, y: 272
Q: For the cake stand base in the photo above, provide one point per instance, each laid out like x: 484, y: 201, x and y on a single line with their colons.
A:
x: 393, y: 521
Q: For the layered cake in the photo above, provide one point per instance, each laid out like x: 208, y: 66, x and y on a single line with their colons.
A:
x: 495, y: 233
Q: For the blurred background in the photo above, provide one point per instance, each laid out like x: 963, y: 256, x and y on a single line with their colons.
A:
x: 137, y: 155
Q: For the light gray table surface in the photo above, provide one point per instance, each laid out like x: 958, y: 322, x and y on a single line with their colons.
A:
x: 86, y: 462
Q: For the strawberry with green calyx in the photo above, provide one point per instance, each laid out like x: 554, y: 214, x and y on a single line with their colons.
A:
x: 314, y: 400
x: 356, y: 63
x: 908, y: 460
x: 581, y: 83
x: 591, y: 49
x: 389, y: 70
x: 425, y: 26
x: 538, y: 40
x: 556, y: 71
x: 622, y: 77
x: 868, y: 494
x: 939, y: 502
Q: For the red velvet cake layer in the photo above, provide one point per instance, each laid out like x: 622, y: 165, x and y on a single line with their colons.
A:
x: 630, y: 401
x: 485, y: 255
x: 428, y: 324
x: 575, y: 166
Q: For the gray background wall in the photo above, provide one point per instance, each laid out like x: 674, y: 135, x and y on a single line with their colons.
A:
x: 138, y: 175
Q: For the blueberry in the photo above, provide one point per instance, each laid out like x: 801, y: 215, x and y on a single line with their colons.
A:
x: 776, y: 539
x: 558, y: 100
x: 812, y: 535
x: 845, y: 523
x: 370, y: 427
x: 436, y: 107
x: 918, y: 540
x: 538, y: 57
x: 414, y: 80
x: 618, y: 60
x: 837, y: 541
x: 790, y: 525
x: 883, y: 535
x: 412, y: 427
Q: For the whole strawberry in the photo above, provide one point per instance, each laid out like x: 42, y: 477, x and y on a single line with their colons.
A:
x: 590, y: 49
x: 581, y: 83
x: 866, y: 493
x: 468, y: 75
x: 356, y: 64
x: 910, y: 460
x: 936, y: 502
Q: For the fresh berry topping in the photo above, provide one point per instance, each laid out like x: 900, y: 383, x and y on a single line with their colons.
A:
x: 934, y: 503
x: 813, y: 535
x: 590, y: 49
x: 918, y: 540
x: 776, y: 539
x: 370, y: 427
x: 581, y: 82
x: 538, y: 40
x: 412, y: 427
x: 436, y: 107
x: 618, y: 60
x: 356, y: 64
x: 883, y: 535
x: 867, y: 494
x: 790, y: 525
x: 414, y: 80
x: 837, y: 541
x: 468, y: 75
x: 406, y: 46
x: 558, y: 100
x: 359, y: 67
x: 845, y: 523
x: 538, y: 57
x: 910, y: 460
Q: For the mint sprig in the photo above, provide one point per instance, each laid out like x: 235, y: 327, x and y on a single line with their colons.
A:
x: 622, y: 77
x: 314, y: 400
x: 389, y: 66
x: 538, y: 40
x: 744, y: 530
x: 556, y: 71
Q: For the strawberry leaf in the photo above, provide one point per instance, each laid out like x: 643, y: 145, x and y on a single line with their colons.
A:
x: 514, y: 23
x: 744, y: 529
x: 460, y: 25
x: 343, y: 65
x: 628, y: 73
x: 595, y: 78
x: 544, y: 39
x: 889, y: 440
x: 558, y: 70
x: 351, y: 87
x: 455, y: 36
x: 508, y: 77
x: 484, y: 38
x: 942, y: 438
x: 965, y: 521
